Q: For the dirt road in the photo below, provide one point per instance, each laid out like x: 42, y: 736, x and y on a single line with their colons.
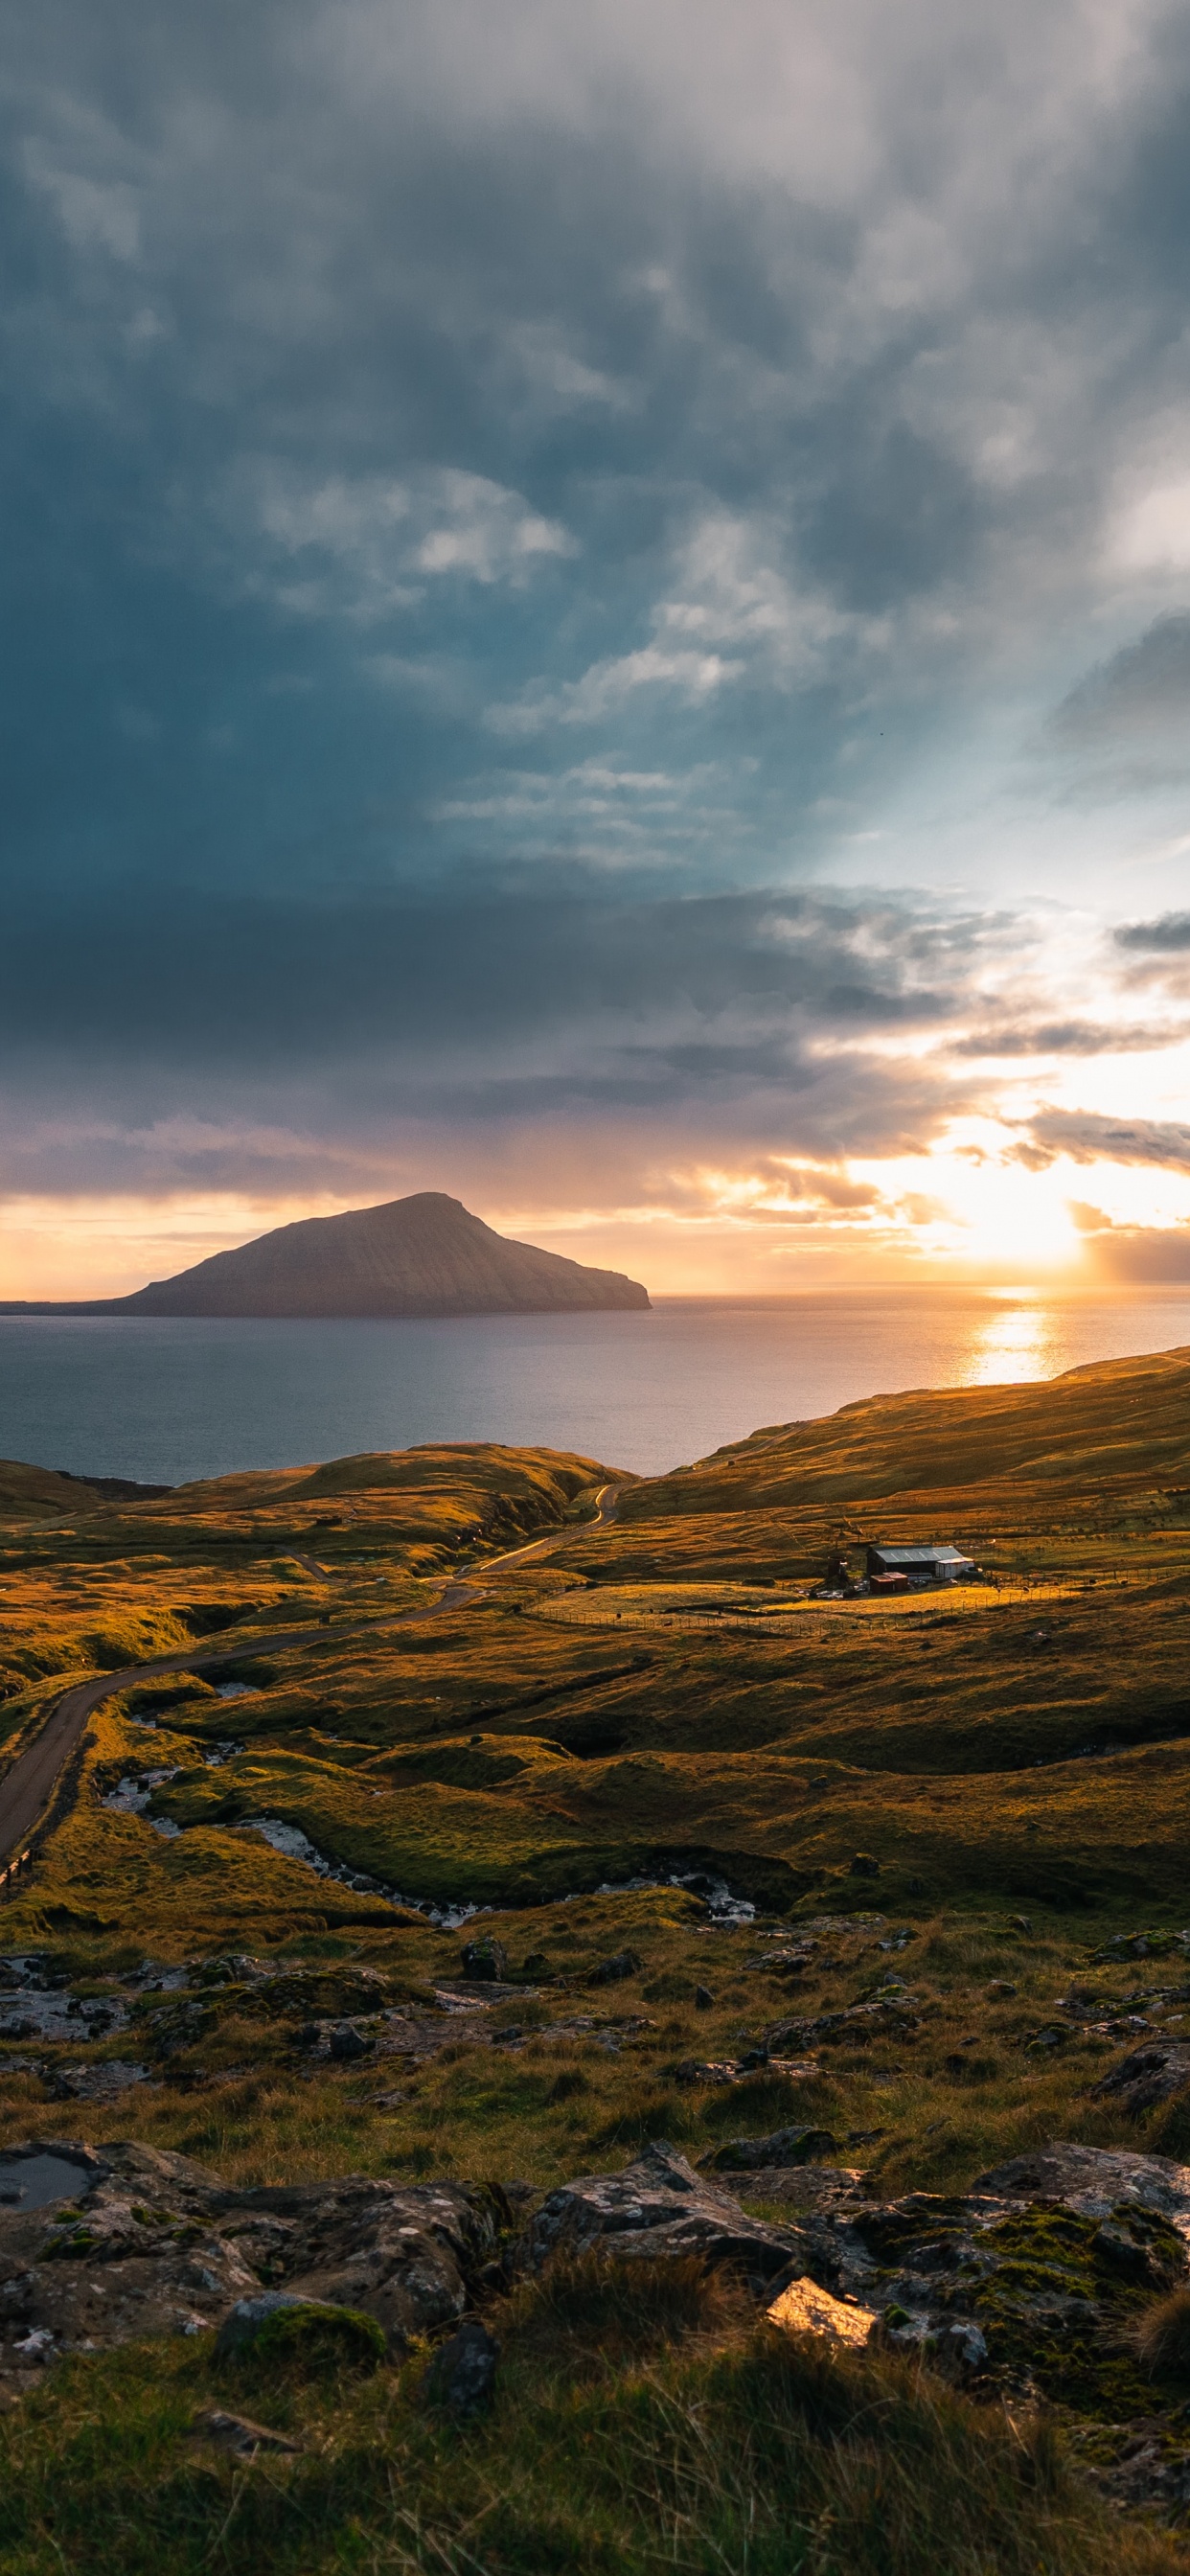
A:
x: 26, y: 1792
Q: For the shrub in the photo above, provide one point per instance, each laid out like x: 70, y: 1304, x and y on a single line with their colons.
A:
x: 1161, y: 2337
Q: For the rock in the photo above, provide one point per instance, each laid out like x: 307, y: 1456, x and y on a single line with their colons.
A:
x: 239, y: 2435
x: 1131, y: 2255
x: 1147, y: 2075
x: 885, y: 2017
x: 242, y: 2327
x: 612, y: 1972
x: 782, y: 2147
x: 1140, y: 1945
x: 94, y: 2083
x: 659, y: 2207
x: 462, y: 2375
x: 805, y: 2190
x: 803, y: 2308
x: 1032, y: 2278
x: 138, y: 2242
x: 703, y: 1999
x: 486, y: 1961
x: 863, y: 1865
x: 280, y: 2327
x: 740, y: 2070
x: 1094, y: 2181
x: 347, y: 2042
x: 954, y: 2344
x: 403, y: 2253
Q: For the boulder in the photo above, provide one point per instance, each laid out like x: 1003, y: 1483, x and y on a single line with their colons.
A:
x: 659, y: 2207
x: 281, y: 2328
x: 462, y: 2375
x: 1032, y: 2277
x: 612, y: 1972
x: 805, y: 2309
x: 807, y: 2191
x: 346, y: 2042
x: 485, y: 1961
x: 781, y: 2147
x: 242, y: 2327
x: 1147, y: 2075
x: 1093, y: 2181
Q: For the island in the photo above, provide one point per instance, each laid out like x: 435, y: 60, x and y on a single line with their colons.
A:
x: 423, y: 1255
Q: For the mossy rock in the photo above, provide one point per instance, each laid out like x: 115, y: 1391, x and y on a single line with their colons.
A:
x: 281, y: 2334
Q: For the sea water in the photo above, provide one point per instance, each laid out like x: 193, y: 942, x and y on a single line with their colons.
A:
x: 165, y: 1399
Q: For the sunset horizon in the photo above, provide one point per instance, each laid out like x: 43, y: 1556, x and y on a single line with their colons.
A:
x: 644, y: 685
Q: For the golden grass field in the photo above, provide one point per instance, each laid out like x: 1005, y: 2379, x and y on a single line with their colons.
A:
x: 648, y: 1697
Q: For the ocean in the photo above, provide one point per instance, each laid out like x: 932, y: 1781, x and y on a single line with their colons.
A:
x: 169, y: 1399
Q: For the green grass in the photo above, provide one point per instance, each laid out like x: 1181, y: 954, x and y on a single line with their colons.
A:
x: 619, y: 2441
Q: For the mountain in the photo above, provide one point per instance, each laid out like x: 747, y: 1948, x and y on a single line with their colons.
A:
x: 425, y: 1255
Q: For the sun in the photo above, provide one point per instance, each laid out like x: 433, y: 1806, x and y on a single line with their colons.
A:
x: 1004, y: 1216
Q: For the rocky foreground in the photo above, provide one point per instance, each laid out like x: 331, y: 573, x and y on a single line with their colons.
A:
x: 1045, y: 2279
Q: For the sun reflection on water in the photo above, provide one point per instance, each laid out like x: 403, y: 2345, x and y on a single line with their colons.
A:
x: 1013, y: 1345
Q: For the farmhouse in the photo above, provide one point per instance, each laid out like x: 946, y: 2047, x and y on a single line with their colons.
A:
x: 919, y: 1564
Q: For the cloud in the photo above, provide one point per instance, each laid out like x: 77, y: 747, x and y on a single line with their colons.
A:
x: 1031, y: 1039
x: 1169, y: 936
x: 94, y: 214
x: 735, y: 612
x: 745, y: 1018
x: 1144, y: 1256
x: 1088, y: 1138
x: 501, y: 518
x: 370, y: 545
x: 1154, y: 532
x: 1143, y: 690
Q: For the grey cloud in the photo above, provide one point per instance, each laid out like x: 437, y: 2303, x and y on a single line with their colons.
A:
x: 242, y: 980
x: 1168, y: 936
x: 1144, y: 1256
x: 1088, y: 1138
x: 1063, y: 1037
x: 1125, y: 727
x: 1144, y: 689
x: 230, y: 1036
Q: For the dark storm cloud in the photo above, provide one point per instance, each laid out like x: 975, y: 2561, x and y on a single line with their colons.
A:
x: 263, y: 1027
x: 473, y: 479
x: 225, y: 982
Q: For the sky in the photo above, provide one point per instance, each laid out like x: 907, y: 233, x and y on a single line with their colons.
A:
x: 598, y: 618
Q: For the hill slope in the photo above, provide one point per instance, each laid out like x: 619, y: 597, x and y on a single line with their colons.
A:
x: 424, y: 1255
x: 1117, y: 1426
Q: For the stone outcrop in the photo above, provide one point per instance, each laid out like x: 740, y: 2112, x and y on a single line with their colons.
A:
x: 136, y: 2242
x: 659, y: 2207
x: 1032, y: 2282
x: 1147, y: 2076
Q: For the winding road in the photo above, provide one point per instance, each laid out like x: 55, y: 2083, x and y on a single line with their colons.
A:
x: 27, y: 1789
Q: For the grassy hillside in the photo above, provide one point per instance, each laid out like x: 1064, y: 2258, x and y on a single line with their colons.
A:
x: 952, y: 1807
